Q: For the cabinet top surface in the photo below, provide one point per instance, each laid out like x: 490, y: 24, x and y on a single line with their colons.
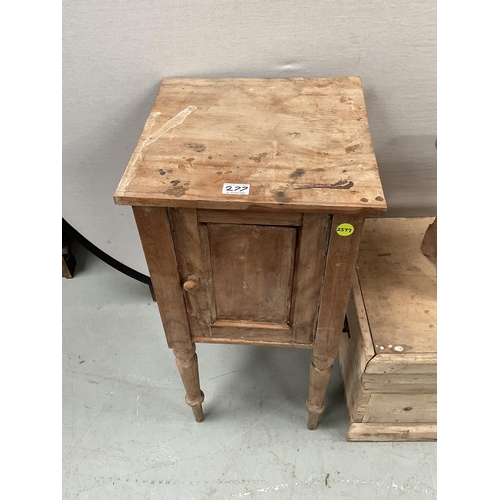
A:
x: 301, y: 144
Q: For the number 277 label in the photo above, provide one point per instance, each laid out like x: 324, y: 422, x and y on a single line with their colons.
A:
x: 230, y: 188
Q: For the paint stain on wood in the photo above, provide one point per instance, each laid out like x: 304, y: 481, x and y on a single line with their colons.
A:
x: 298, y: 173
x: 351, y: 149
x: 175, y: 182
x: 161, y: 171
x: 342, y: 184
x: 176, y: 191
x: 257, y: 159
x: 379, y: 198
x: 364, y: 200
x: 281, y: 196
x: 199, y: 148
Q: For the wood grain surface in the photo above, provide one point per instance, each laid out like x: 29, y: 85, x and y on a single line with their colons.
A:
x: 302, y: 143
x: 252, y: 270
x: 399, y: 285
x: 156, y: 237
x: 392, y: 432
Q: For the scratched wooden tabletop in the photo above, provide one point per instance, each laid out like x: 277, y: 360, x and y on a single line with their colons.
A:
x: 299, y: 144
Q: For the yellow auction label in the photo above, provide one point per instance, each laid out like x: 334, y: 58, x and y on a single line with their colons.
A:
x: 345, y: 229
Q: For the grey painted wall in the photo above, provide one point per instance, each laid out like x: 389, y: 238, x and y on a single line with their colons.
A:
x: 116, y: 53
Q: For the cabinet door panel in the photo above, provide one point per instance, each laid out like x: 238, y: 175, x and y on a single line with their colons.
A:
x: 252, y: 271
x: 256, y: 281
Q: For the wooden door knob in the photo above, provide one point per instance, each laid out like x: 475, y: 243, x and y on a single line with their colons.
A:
x: 191, y: 284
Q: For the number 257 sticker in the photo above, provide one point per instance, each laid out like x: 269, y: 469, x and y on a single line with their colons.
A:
x: 232, y: 188
x: 345, y: 229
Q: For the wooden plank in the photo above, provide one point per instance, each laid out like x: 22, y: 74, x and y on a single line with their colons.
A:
x: 359, y: 406
x: 207, y: 266
x: 303, y: 143
x: 402, y: 313
x: 210, y: 340
x: 424, y: 363
x: 252, y: 270
x: 358, y: 320
x: 394, y: 383
x: 348, y: 359
x: 251, y: 330
x: 242, y: 217
x: 398, y: 285
x: 356, y: 350
x: 401, y: 407
x: 189, y: 253
x: 156, y: 237
x: 409, y: 388
x: 338, y: 278
x: 392, y: 432
x: 400, y: 378
x: 309, y: 269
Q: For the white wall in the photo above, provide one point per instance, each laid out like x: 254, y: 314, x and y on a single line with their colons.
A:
x: 116, y: 53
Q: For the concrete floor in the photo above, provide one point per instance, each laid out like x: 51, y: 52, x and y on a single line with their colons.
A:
x: 127, y: 433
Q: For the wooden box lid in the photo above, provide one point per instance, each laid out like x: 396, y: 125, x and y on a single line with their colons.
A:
x: 302, y: 144
x: 398, y: 285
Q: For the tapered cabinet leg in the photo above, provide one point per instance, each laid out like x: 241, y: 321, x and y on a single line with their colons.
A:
x: 321, y: 369
x: 187, y: 363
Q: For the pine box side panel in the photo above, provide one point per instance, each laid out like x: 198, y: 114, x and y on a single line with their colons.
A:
x: 356, y: 350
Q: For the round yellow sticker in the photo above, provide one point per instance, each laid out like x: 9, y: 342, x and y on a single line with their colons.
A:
x: 345, y: 229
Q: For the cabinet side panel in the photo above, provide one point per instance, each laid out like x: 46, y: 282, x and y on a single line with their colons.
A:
x: 156, y: 237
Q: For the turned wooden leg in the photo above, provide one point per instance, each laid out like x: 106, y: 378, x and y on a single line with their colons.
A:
x: 187, y: 363
x: 321, y: 369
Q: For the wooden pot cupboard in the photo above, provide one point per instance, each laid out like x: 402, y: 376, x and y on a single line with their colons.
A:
x: 250, y: 197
